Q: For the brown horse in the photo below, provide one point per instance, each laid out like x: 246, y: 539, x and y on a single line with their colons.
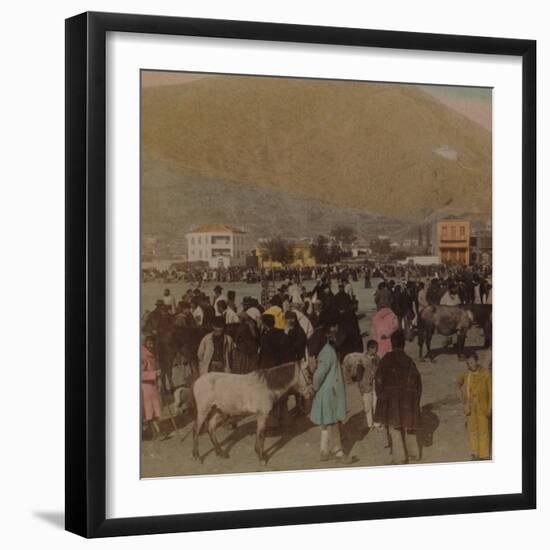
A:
x: 172, y: 341
x: 445, y: 320
x: 218, y: 395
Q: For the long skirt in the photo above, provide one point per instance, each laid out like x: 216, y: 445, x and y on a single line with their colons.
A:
x: 151, y: 400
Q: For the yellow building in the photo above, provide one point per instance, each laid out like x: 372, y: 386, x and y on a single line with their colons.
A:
x: 453, y: 241
x: 301, y: 256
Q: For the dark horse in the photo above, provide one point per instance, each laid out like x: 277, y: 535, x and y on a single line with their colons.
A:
x: 172, y: 340
x: 218, y: 395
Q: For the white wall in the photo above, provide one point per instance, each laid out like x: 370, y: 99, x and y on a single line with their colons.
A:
x: 31, y: 214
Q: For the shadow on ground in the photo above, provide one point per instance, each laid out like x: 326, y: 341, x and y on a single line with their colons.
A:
x: 353, y: 430
x: 429, y: 422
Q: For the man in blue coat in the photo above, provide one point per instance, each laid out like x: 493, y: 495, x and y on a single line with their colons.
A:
x: 329, y: 406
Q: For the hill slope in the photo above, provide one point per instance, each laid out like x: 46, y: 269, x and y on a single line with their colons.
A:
x: 275, y: 144
x: 171, y: 206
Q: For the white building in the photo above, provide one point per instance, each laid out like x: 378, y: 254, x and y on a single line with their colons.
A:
x: 360, y: 248
x: 219, y: 245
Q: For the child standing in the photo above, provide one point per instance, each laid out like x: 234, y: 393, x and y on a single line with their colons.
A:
x: 366, y: 384
x: 363, y: 366
x: 149, y: 387
x: 475, y: 388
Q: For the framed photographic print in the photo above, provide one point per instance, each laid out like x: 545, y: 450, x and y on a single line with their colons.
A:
x: 300, y: 274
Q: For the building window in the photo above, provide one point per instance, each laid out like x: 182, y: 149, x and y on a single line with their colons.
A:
x: 444, y: 232
x: 462, y: 232
x: 453, y: 232
x: 221, y: 252
x: 220, y: 239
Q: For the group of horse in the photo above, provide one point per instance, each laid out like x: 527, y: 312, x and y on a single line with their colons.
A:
x: 217, y: 396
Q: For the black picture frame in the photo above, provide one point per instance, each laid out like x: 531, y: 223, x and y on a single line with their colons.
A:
x: 86, y: 273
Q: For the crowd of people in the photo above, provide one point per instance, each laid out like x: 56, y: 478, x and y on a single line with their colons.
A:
x: 320, y: 327
x: 193, y: 274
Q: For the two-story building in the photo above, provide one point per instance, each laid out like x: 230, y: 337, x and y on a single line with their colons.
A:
x: 453, y: 241
x: 219, y: 245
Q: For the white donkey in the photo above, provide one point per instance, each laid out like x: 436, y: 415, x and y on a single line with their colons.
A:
x: 218, y: 395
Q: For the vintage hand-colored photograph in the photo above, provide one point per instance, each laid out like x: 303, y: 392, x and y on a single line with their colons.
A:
x: 316, y: 274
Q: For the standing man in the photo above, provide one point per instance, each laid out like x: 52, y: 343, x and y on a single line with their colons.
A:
x: 228, y: 315
x: 348, y: 288
x: 296, y: 338
x: 367, y: 278
x: 217, y: 297
x: 348, y: 324
x: 209, y: 313
x: 433, y: 293
x: 246, y: 345
x: 216, y: 349
x: 383, y: 296
x: 451, y: 297
x: 231, y: 300
x: 169, y: 301
x: 294, y: 291
x: 158, y: 320
x: 273, y: 344
x: 329, y: 406
x: 421, y: 299
x: 398, y: 389
x: 475, y: 389
x: 249, y: 306
x: 303, y: 320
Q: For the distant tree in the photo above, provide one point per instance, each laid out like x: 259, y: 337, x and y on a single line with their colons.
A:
x: 324, y: 251
x: 399, y: 255
x: 344, y: 234
x: 278, y: 250
x: 380, y: 246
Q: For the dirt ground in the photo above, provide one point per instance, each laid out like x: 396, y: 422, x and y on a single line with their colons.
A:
x: 295, y: 445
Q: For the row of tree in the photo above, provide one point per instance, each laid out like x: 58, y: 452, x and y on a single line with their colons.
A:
x: 325, y: 250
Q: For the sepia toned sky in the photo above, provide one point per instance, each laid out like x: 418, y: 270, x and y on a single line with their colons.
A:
x: 473, y: 103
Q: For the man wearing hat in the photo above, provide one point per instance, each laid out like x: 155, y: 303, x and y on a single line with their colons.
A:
x: 218, y: 295
x: 216, y: 349
x: 158, y: 319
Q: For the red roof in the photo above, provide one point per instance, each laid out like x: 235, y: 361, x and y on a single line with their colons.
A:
x: 216, y: 229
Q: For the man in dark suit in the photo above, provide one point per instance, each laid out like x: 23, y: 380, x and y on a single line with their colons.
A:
x: 274, y: 346
x: 398, y: 389
x: 296, y: 338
